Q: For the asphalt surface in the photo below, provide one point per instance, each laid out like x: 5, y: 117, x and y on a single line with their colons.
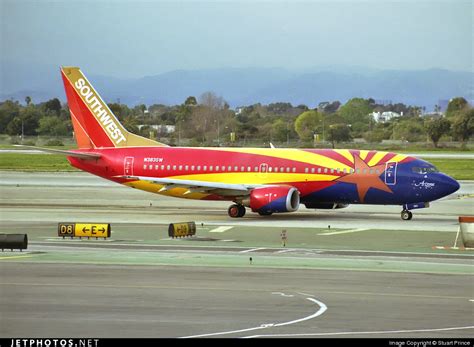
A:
x: 141, y: 285
x: 45, y: 300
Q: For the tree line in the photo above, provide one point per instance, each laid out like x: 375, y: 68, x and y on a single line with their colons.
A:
x: 209, y: 121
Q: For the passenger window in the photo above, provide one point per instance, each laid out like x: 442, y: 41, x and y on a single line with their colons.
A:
x: 223, y: 168
x: 150, y: 167
x: 211, y: 168
x: 312, y: 170
x: 205, y: 168
x: 242, y: 168
x: 174, y: 167
x: 162, y: 167
x: 294, y: 169
x: 306, y: 170
x: 156, y: 167
x: 325, y: 170
x: 249, y: 168
x: 192, y: 167
x: 256, y: 168
x: 270, y: 169
x: 364, y: 171
x: 186, y: 167
x: 332, y: 170
x: 144, y: 166
x: 168, y: 167
x: 180, y: 167
x: 287, y: 169
x: 282, y: 169
x: 371, y: 171
x: 319, y: 170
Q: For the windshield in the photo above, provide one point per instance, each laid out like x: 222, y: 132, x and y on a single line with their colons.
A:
x: 424, y: 170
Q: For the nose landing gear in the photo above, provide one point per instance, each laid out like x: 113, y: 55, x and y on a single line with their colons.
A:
x: 406, y: 215
x: 236, y: 211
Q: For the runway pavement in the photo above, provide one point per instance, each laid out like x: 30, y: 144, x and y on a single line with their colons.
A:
x: 45, y: 300
x: 370, y: 275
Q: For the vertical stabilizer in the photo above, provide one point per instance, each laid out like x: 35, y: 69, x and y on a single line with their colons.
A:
x: 95, y: 125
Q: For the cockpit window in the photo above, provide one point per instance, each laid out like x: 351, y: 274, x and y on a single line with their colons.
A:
x: 424, y: 170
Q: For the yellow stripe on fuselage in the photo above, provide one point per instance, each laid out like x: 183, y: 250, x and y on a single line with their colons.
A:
x: 256, y: 177
x: 376, y: 158
x: 291, y: 154
x: 345, y: 153
x: 363, y: 154
x: 398, y: 158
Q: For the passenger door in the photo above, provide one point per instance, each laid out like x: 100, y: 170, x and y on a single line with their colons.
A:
x: 128, y: 166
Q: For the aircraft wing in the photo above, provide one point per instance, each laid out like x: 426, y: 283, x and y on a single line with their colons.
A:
x: 194, y: 186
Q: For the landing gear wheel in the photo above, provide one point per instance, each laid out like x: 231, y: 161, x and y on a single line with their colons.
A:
x: 233, y: 211
x: 265, y: 213
x: 241, y: 211
x: 406, y: 215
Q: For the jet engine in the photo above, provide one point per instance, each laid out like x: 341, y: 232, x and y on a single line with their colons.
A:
x: 267, y: 200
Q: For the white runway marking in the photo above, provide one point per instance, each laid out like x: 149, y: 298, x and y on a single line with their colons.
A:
x: 322, y: 309
x: 283, y: 294
x: 283, y: 251
x: 343, y: 232
x: 364, y: 332
x: 252, y: 250
x: 220, y: 229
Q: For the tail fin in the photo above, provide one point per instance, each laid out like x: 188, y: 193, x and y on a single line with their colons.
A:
x: 94, y: 123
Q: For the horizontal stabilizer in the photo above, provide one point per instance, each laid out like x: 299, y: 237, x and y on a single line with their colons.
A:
x: 81, y: 155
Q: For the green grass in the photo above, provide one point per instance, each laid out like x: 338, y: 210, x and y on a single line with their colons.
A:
x: 461, y: 169
x: 34, y: 162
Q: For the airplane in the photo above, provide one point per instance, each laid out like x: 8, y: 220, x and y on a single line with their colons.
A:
x: 266, y: 180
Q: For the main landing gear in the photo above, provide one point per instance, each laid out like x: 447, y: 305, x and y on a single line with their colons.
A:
x: 406, y: 215
x: 236, y: 211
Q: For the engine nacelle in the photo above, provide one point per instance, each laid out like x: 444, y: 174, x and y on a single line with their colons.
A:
x: 325, y: 205
x: 273, y: 199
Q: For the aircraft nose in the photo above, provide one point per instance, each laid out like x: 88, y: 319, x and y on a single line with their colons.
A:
x: 450, y: 185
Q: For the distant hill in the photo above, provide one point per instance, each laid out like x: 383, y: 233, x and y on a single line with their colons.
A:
x: 245, y: 86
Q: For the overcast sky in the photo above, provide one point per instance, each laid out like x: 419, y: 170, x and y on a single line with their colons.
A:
x: 133, y: 39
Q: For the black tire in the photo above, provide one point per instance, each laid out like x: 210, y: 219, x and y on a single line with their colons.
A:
x: 241, y: 211
x: 265, y: 213
x: 406, y: 215
x: 233, y: 211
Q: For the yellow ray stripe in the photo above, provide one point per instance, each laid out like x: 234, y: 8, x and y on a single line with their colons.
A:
x: 291, y: 154
x: 345, y: 153
x: 398, y: 158
x: 363, y: 154
x: 256, y: 178
x: 376, y: 158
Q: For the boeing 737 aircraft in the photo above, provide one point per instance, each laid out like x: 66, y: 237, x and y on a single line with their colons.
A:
x: 267, y: 180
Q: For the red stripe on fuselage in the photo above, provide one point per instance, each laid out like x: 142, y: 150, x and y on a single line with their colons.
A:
x: 370, y: 155
x: 386, y: 158
x: 329, y: 153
